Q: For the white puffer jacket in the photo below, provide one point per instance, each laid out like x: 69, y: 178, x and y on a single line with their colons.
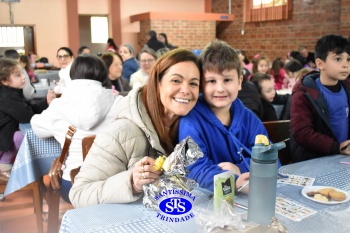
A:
x: 86, y: 105
x: 105, y: 176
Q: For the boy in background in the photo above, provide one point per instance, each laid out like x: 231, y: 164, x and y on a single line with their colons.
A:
x: 222, y: 127
x: 320, y: 103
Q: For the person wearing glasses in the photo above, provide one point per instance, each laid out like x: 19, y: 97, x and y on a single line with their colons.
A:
x: 65, y: 59
x: 147, y: 57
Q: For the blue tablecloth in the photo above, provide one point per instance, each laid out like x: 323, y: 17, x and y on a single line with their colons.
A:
x: 33, y: 159
x: 134, y: 217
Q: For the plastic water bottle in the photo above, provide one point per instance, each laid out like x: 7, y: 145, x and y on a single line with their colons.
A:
x: 263, y: 180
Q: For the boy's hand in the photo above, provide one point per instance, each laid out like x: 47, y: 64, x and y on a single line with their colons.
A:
x: 345, y: 147
x: 241, y: 180
x: 230, y: 166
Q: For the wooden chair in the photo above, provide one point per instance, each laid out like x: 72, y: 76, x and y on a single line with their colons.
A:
x: 86, y: 144
x: 279, y: 131
x: 34, y: 187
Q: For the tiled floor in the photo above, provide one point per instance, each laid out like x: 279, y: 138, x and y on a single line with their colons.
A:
x: 22, y: 220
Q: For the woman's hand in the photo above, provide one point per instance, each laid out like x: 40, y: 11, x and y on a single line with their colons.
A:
x: 241, y: 180
x: 114, y: 91
x: 345, y: 147
x: 144, y: 173
x: 230, y: 166
x: 50, y: 96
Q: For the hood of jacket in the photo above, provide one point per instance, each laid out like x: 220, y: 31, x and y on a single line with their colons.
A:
x: 131, y: 107
x: 86, y: 111
x: 236, y: 111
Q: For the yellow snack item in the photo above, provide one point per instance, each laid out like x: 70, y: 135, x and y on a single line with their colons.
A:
x: 325, y: 191
x: 159, y: 162
x: 320, y: 197
x: 260, y: 138
x: 337, y: 196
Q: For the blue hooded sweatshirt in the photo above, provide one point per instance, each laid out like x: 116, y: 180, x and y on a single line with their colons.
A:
x: 218, y: 142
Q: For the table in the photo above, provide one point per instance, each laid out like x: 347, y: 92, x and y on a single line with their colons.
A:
x: 133, y: 217
x: 33, y: 159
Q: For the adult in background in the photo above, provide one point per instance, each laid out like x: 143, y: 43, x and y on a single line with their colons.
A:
x: 121, y: 159
x: 147, y: 57
x: 153, y: 42
x: 162, y: 37
x: 65, y: 59
x: 114, y: 64
x: 130, y: 64
x: 308, y: 56
x: 88, y: 104
x: 28, y: 90
x: 84, y: 50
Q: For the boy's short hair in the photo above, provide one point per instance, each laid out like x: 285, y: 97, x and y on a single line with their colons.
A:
x: 331, y: 43
x: 257, y: 79
x: 219, y: 56
x: 11, y: 53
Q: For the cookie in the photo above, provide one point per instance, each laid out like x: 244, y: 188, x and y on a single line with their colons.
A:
x: 337, y: 196
x: 325, y: 191
x: 312, y: 193
x: 320, y: 197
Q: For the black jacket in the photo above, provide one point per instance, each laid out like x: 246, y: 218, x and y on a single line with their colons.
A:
x: 250, y: 97
x: 14, y: 110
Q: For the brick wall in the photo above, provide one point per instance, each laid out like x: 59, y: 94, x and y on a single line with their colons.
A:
x: 309, y: 20
x: 182, y: 33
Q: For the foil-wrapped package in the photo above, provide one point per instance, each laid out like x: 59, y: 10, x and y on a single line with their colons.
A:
x: 174, y: 171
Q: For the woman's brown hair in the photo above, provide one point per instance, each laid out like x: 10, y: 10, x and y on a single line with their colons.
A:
x: 151, y: 94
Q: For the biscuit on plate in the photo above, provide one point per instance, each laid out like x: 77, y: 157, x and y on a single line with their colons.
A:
x: 320, y: 197
x: 337, y: 196
x: 325, y: 191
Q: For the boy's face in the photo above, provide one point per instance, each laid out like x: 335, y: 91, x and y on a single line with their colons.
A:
x: 268, y: 90
x: 336, y: 67
x: 220, y: 90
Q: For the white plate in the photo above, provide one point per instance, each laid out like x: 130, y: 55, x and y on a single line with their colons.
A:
x: 316, y: 188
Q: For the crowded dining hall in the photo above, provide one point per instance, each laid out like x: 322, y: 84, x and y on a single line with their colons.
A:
x: 174, y: 116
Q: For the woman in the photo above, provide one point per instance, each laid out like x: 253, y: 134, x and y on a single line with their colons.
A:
x: 88, y: 104
x: 147, y: 57
x: 121, y: 159
x: 65, y: 59
x: 162, y: 37
x: 130, y: 64
x: 114, y: 63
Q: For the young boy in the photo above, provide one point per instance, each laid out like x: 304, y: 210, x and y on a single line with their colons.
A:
x: 222, y: 127
x: 320, y: 103
x: 266, y: 88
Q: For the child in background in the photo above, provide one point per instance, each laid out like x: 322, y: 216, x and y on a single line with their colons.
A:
x: 278, y: 73
x: 320, y: 103
x: 261, y: 64
x: 302, y: 72
x: 292, y: 68
x: 14, y: 110
x: 266, y: 88
x: 219, y: 123
x: 24, y: 61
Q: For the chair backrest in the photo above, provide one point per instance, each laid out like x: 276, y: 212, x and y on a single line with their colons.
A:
x: 86, y: 144
x: 279, y: 131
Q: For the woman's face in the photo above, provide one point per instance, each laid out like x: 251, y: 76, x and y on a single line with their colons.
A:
x: 116, y: 68
x: 161, y: 38
x: 125, y: 53
x: 179, y: 90
x: 64, y: 58
x: 146, y: 62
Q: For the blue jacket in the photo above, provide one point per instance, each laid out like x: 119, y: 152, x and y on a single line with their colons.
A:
x: 218, y: 142
x: 130, y: 66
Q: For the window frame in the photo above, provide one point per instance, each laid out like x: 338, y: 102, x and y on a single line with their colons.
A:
x: 263, y: 13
